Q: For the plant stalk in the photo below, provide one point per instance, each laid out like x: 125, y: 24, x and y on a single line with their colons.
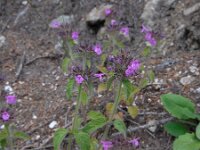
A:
x: 114, y: 109
x: 74, y: 124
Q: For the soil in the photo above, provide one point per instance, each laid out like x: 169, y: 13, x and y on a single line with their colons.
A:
x: 41, y: 83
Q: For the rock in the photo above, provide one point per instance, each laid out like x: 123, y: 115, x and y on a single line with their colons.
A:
x: 154, y: 127
x: 197, y: 90
x: 97, y: 14
x: 194, y: 70
x: 24, y: 2
x: 2, y: 40
x: 96, y: 18
x: 187, y: 80
x: 53, y: 124
x: 8, y: 89
x: 64, y: 19
x: 192, y: 9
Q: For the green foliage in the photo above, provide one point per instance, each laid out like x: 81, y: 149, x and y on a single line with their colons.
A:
x: 186, y: 142
x: 120, y: 126
x: 83, y: 140
x: 133, y: 111
x: 178, y: 106
x: 69, y: 88
x: 21, y: 135
x: 97, y: 120
x: 84, y: 97
x: 59, y: 137
x: 128, y: 87
x: 198, y: 131
x: 65, y: 64
x: 175, y: 129
x: 146, y: 52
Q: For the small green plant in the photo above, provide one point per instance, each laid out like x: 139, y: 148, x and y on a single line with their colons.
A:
x: 8, y: 131
x: 106, y: 67
x: 186, y: 129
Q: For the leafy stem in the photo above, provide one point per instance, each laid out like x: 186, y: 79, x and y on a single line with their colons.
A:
x: 114, y: 109
x: 74, y: 124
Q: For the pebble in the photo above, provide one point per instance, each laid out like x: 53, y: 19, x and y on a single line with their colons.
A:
x: 24, y: 2
x: 53, y: 124
x: 152, y: 128
x: 37, y: 137
x: 2, y: 40
x: 198, y: 90
x: 34, y: 116
x: 8, y: 89
x: 194, y: 70
x: 187, y: 80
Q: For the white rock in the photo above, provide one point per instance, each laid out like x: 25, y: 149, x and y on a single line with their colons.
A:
x: 37, y: 137
x: 53, y: 124
x: 194, y: 70
x: 64, y: 19
x: 34, y: 116
x: 187, y: 80
x: 97, y: 13
x: 24, y: 2
x: 2, y: 126
x: 154, y: 127
x: 8, y: 89
x: 2, y: 40
x: 197, y: 90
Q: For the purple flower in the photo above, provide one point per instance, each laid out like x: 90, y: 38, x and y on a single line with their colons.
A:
x: 55, y: 24
x: 99, y: 75
x: 145, y: 29
x: 97, y: 49
x: 124, y: 31
x: 135, y: 142
x: 150, y: 38
x: 133, y: 67
x: 75, y: 35
x: 106, y: 145
x: 5, y: 116
x: 113, y: 22
x: 11, y: 99
x: 79, y: 79
x: 108, y: 11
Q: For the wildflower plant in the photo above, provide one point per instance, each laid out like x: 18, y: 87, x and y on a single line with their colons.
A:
x: 8, y: 131
x: 106, y: 67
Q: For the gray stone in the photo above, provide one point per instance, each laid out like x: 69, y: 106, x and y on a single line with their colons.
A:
x: 64, y: 19
x: 192, y: 9
x: 194, y: 70
x: 2, y: 40
x: 97, y: 14
x: 53, y: 124
x: 153, y: 127
x: 187, y: 80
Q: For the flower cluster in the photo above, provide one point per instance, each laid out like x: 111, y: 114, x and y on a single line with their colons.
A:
x: 97, y: 49
x: 106, y: 144
x: 133, y: 67
x: 149, y: 35
x: 10, y: 100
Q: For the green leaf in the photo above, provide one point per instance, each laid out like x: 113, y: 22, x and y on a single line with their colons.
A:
x: 109, y: 82
x: 102, y: 87
x: 120, y: 126
x: 83, y: 140
x: 151, y: 76
x: 93, y: 125
x: 94, y: 115
x: 133, y: 111
x: 143, y: 83
x: 59, y: 137
x: 198, y: 131
x: 69, y: 88
x: 175, y: 129
x: 84, y: 97
x: 88, y: 62
x: 178, y: 106
x: 102, y: 69
x: 187, y: 141
x: 3, y: 144
x: 21, y: 135
x: 146, y: 52
x: 4, y: 134
x: 128, y: 87
x: 65, y: 64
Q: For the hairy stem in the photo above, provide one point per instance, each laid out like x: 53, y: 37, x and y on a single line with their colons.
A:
x: 74, y: 124
x: 114, y: 109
